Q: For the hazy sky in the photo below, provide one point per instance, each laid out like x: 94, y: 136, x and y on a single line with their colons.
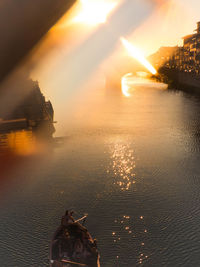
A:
x: 167, y: 25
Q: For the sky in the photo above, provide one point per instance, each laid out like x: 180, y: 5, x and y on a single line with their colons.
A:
x: 167, y: 25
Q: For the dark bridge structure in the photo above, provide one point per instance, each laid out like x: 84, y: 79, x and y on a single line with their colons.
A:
x: 22, y: 25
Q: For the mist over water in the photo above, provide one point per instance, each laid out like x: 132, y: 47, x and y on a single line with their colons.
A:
x: 131, y: 163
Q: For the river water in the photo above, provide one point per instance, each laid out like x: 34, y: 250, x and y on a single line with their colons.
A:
x: 132, y: 164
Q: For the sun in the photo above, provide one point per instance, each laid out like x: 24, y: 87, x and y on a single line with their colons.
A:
x: 94, y: 12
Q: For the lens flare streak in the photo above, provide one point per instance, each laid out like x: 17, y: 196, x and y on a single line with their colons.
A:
x: 135, y: 53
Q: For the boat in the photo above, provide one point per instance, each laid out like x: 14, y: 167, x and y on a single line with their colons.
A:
x: 72, y: 244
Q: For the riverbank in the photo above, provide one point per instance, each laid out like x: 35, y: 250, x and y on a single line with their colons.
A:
x: 179, y: 80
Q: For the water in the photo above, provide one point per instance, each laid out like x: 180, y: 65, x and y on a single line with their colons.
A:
x: 132, y: 164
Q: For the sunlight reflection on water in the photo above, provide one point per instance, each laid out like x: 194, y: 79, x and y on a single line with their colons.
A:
x: 126, y: 226
x: 122, y: 165
x: 130, y: 82
x: 19, y: 142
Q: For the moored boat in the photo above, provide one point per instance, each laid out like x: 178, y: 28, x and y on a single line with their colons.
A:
x: 72, y: 244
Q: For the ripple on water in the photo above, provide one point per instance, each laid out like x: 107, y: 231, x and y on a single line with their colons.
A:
x: 138, y: 179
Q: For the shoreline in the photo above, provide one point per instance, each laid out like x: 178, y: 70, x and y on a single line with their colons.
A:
x: 179, y: 80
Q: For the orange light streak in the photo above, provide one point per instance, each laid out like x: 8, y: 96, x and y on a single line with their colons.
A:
x: 135, y: 53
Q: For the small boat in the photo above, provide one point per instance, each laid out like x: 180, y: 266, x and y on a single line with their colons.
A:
x: 72, y: 244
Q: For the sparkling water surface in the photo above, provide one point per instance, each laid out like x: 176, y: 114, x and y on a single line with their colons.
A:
x: 132, y: 164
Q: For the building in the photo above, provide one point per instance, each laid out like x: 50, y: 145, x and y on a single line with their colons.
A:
x: 185, y: 58
x: 163, y: 56
x: 31, y: 112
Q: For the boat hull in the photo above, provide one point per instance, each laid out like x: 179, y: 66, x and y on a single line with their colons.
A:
x: 72, y: 245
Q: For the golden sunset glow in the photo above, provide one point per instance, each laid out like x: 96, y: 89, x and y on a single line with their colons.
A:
x: 123, y: 167
x: 131, y: 83
x: 124, y: 85
x: 20, y: 142
x: 135, y: 53
x: 94, y: 12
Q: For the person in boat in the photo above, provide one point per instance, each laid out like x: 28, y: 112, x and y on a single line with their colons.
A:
x: 74, y: 243
x: 67, y: 218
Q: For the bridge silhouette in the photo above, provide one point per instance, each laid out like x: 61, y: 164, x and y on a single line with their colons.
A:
x: 120, y: 67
